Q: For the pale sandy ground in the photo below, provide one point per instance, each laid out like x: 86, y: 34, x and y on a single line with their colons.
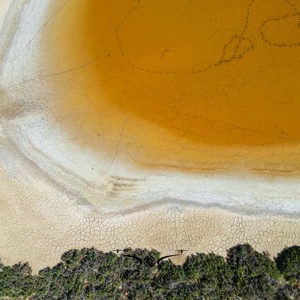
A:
x: 39, y: 223
x: 47, y: 208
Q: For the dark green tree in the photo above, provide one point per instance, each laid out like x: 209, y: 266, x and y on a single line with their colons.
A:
x: 139, y: 268
x: 255, y: 274
x: 288, y: 263
x: 16, y: 281
x: 210, y: 275
x: 288, y: 292
x: 86, y: 273
x: 169, y: 278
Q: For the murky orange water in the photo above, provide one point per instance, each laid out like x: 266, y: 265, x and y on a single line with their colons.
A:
x: 183, y: 84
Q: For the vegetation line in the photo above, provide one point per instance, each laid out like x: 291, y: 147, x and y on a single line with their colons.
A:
x: 142, y: 274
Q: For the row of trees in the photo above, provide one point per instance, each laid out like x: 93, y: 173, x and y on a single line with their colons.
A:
x: 135, y: 274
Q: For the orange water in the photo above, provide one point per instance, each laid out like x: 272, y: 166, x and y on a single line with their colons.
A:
x: 183, y: 84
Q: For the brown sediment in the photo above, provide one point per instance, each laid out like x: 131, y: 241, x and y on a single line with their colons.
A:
x: 185, y: 85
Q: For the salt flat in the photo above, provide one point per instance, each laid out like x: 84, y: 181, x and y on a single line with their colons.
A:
x: 79, y: 170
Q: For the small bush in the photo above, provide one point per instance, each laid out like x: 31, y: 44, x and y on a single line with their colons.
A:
x: 288, y: 263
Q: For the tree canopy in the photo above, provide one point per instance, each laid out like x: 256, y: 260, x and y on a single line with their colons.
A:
x: 140, y: 274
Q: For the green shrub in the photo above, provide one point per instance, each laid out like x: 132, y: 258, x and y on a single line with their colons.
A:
x: 255, y: 273
x: 210, y: 274
x: 16, y: 281
x: 288, y: 262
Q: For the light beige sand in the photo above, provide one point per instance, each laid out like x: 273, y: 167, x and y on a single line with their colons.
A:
x: 38, y: 224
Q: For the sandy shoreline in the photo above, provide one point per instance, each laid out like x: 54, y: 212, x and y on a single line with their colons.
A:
x: 38, y: 224
x: 55, y: 195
